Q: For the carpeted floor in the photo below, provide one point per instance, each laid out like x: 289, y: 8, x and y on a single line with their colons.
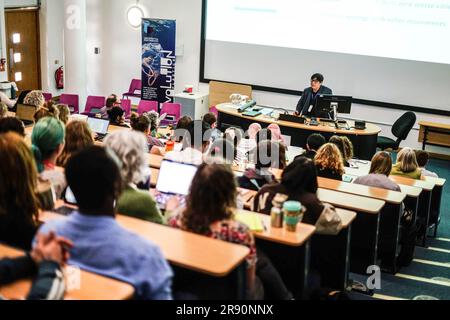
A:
x: 428, y: 277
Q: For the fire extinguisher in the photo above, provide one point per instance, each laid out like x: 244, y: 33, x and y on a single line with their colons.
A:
x: 59, y: 78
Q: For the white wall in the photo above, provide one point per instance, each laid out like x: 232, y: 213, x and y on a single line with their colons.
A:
x: 52, y: 43
x: 119, y: 61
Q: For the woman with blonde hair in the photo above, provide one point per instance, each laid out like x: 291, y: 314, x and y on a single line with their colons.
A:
x: 407, y: 165
x: 78, y: 137
x: 329, y: 162
x: 19, y: 205
x: 64, y: 112
x: 47, y: 110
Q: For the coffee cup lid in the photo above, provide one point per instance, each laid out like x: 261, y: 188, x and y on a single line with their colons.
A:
x: 292, y: 206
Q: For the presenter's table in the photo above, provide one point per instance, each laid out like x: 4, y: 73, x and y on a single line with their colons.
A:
x: 364, y: 141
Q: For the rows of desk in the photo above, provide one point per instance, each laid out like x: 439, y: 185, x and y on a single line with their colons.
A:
x: 366, y: 213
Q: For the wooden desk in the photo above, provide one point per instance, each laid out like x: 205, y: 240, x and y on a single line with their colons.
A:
x: 436, y: 201
x: 288, y: 251
x: 365, y: 228
x: 93, y: 287
x: 210, y: 257
x: 435, y: 134
x: 425, y: 201
x: 351, y: 202
x: 390, y: 217
x: 364, y: 141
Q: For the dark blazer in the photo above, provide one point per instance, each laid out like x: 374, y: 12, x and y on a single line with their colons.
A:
x: 307, y: 100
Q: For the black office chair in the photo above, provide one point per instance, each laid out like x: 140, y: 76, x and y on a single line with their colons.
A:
x: 401, y: 129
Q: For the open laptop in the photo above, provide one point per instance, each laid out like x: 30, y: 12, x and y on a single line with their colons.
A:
x: 99, y: 126
x: 174, y: 180
x: 25, y: 113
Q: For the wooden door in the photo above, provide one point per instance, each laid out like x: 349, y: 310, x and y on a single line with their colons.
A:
x: 23, y: 24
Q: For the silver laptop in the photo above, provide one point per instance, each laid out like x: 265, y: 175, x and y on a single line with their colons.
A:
x: 174, y: 180
x: 99, y: 126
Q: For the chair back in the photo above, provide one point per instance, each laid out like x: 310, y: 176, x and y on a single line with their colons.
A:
x: 96, y: 102
x: 136, y: 85
x: 47, y: 96
x: 403, y: 126
x: 147, y: 106
x: 126, y: 106
x: 72, y: 100
x: 173, y: 111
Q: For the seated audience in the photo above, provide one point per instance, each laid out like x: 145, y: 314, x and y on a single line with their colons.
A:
x: 47, y: 144
x: 64, y: 112
x: 181, y: 127
x: 78, y: 137
x: 378, y: 177
x: 267, y: 155
x: 253, y: 130
x: 34, y: 98
x: 10, y: 103
x: 329, y: 162
x: 223, y: 149
x: 349, y: 151
x: 313, y: 144
x: 114, y: 110
x: 3, y: 110
x: 10, y: 124
x: 19, y: 204
x: 195, y: 143
x: 298, y: 183
x: 211, y: 205
x: 131, y: 148
x: 380, y: 170
x: 407, y: 165
x: 241, y: 146
x: 44, y: 263
x: 276, y: 133
x: 211, y: 119
x: 48, y: 110
x: 338, y: 142
x: 143, y: 124
x: 101, y: 245
x: 422, y: 160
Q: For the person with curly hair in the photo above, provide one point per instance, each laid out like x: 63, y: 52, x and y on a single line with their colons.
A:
x: 329, y: 162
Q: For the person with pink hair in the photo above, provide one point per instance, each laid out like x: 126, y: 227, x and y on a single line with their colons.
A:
x: 253, y: 130
x: 276, y: 133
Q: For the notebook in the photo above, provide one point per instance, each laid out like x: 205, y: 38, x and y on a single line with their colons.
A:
x: 252, y: 220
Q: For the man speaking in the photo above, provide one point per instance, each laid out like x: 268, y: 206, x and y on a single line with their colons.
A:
x: 307, y: 104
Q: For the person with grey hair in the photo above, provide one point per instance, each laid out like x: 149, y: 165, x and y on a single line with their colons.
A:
x: 35, y: 98
x: 131, y: 148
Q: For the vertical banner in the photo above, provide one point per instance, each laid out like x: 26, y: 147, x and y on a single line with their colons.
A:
x: 158, y: 59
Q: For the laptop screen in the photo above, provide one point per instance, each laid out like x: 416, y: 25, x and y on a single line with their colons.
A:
x: 25, y: 112
x: 98, y: 125
x: 175, y: 178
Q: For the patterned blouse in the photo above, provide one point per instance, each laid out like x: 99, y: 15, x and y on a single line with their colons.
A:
x: 227, y: 230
